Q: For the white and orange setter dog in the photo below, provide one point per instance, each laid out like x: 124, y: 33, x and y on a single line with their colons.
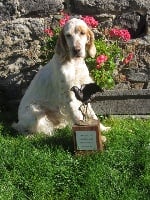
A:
x: 48, y: 102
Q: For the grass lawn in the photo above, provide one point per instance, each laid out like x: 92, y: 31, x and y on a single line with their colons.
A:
x: 45, y: 168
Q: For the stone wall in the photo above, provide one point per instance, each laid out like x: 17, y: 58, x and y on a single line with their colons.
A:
x: 123, y: 102
x: 22, y: 23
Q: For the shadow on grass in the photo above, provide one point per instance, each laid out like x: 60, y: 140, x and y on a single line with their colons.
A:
x: 62, y: 139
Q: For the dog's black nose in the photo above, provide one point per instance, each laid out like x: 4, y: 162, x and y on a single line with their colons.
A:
x: 76, y: 50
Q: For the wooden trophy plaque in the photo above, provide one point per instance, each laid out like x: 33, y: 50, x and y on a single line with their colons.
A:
x: 87, y: 137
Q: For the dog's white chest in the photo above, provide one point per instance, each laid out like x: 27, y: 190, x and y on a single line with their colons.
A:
x: 68, y: 73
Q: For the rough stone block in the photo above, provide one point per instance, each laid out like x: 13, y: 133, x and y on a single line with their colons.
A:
x: 40, y: 7
x: 18, y: 8
x: 107, y: 6
x: 125, y: 102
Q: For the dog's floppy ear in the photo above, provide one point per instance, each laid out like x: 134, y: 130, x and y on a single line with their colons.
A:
x: 61, y: 47
x: 90, y: 45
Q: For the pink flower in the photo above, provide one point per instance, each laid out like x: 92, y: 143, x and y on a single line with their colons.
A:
x: 128, y: 58
x: 49, y: 32
x: 101, y: 59
x: 90, y: 21
x: 125, y: 35
x: 63, y: 21
x: 120, y: 33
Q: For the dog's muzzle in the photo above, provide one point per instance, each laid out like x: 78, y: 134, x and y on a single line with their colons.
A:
x: 76, y: 51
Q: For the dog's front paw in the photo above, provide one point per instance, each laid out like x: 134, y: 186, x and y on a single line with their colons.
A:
x: 103, y: 138
x: 107, y: 128
x: 104, y: 128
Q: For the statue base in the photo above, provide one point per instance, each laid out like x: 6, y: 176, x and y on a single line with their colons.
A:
x: 87, y: 137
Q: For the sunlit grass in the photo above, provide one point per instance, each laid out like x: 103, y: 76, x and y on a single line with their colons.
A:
x: 45, y: 168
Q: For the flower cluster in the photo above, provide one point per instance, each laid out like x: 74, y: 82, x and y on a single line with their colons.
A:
x: 120, y: 33
x: 64, y: 19
x: 109, y: 54
x: 49, y: 32
x: 90, y: 21
x: 100, y: 60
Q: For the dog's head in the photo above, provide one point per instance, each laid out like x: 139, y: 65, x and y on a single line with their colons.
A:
x: 75, y: 40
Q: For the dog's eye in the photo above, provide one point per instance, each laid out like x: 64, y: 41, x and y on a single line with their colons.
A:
x: 68, y: 35
x: 82, y: 33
